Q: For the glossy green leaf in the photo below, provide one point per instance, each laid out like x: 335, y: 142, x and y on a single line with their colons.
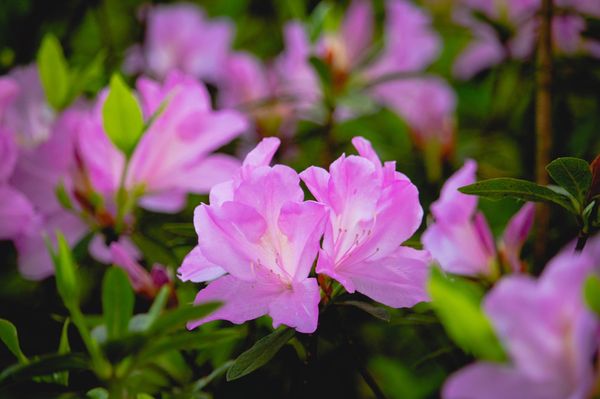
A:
x: 122, y: 116
x: 263, y: 350
x: 177, y: 318
x: 506, y: 187
x: 117, y: 302
x: 378, y: 312
x: 572, y: 174
x: 457, y: 304
x: 65, y: 272
x: 54, y: 72
x: 591, y: 293
x: 64, y: 347
x: 10, y: 338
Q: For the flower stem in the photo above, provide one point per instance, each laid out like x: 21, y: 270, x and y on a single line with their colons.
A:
x: 543, y: 122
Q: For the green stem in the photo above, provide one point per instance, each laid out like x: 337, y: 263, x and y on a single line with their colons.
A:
x: 543, y: 122
x: 101, y: 365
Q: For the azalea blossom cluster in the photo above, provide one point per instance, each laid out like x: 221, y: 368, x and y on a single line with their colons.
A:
x: 263, y: 248
x: 258, y: 238
x: 508, y: 29
x: 62, y: 172
x: 276, y: 94
x: 550, y: 336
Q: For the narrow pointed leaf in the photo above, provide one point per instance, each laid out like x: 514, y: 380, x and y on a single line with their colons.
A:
x: 572, y: 174
x: 45, y: 365
x: 457, y: 304
x: 263, y: 350
x: 177, y: 318
x: 10, y: 337
x: 378, y: 312
x: 64, y: 347
x: 117, y: 302
x: 66, y: 272
x: 591, y: 293
x: 54, y: 72
x: 506, y: 187
x: 122, y: 116
x: 190, y: 340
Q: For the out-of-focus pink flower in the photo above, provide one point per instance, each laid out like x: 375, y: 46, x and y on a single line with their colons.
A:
x: 460, y: 238
x: 411, y: 43
x: 548, y: 333
x: 143, y: 282
x: 372, y: 210
x: 265, y: 236
x: 294, y: 75
x: 180, y: 36
x: 515, y: 235
x: 277, y: 94
x: 102, y: 252
x: 174, y: 156
x: 8, y: 155
x: 519, y: 17
x: 41, y: 159
x: 426, y: 104
x: 16, y: 212
x: 28, y: 115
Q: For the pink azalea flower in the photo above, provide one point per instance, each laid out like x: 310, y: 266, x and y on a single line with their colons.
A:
x: 16, y: 212
x: 460, y: 238
x: 263, y: 234
x: 410, y: 46
x: 44, y: 157
x: 488, y: 50
x: 174, y: 156
x: 142, y: 281
x: 180, y: 36
x: 372, y: 210
x: 426, y: 104
x: 548, y: 333
x: 411, y: 43
x: 277, y: 94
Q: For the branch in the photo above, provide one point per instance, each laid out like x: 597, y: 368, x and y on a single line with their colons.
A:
x: 543, y: 121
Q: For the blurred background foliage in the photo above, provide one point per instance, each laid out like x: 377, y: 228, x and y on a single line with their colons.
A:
x: 410, y: 356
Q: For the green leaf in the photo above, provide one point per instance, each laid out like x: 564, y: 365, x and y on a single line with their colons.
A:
x: 324, y: 73
x: 117, y: 302
x: 177, y: 318
x: 65, y: 272
x: 572, y: 174
x: 10, y: 337
x: 45, y: 365
x: 318, y: 19
x: 591, y: 293
x: 159, y: 304
x: 63, y: 348
x: 263, y: 350
x: 204, y: 381
x: 54, y: 72
x: 190, y: 340
x: 378, y: 312
x: 62, y: 196
x: 457, y: 304
x: 122, y: 116
x: 504, y: 187
x: 97, y: 393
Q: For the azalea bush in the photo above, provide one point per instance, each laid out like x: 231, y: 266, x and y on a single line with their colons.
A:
x: 390, y: 199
